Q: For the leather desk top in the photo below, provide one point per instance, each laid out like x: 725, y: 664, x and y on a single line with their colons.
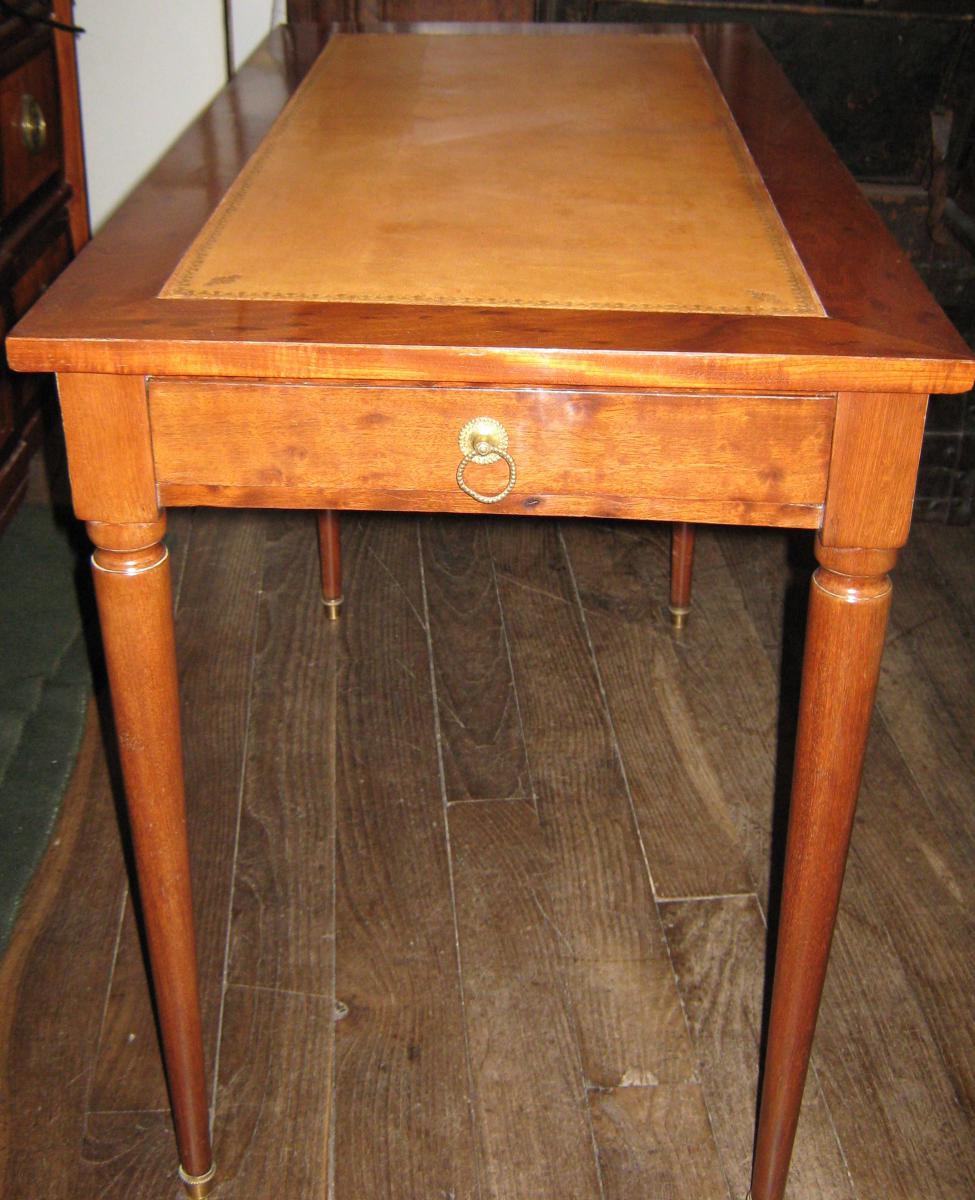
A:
x: 527, y: 206
x: 603, y: 172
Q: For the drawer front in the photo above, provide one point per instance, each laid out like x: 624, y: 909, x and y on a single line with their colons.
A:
x: 586, y: 453
x: 30, y: 133
x: 39, y: 263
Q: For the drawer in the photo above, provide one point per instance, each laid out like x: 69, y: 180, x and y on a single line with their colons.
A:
x: 30, y: 133
x: 758, y: 458
x: 38, y: 263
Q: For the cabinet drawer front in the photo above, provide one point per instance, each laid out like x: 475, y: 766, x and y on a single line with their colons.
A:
x: 30, y: 133
x: 596, y: 453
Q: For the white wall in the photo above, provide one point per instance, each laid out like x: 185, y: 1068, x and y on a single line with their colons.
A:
x: 251, y: 21
x: 145, y: 70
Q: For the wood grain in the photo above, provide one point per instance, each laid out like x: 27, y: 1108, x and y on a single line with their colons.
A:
x: 617, y: 972
x: 699, y: 746
x: 873, y: 469
x: 74, y: 153
x: 330, y: 556
x: 656, y: 1141
x: 841, y: 666
x: 534, y: 504
x: 898, y: 986
x: 681, y: 571
x: 133, y: 589
x: 888, y: 1042
x: 402, y: 444
x: 274, y: 1094
x: 25, y: 169
x: 106, y: 420
x: 928, y: 664
x: 481, y: 737
x: 126, y: 1154
x: 284, y: 877
x: 893, y: 1049
x: 718, y: 951
x: 402, y: 1119
x: 532, y: 1116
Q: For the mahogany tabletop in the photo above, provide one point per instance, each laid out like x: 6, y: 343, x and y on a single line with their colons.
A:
x: 610, y: 209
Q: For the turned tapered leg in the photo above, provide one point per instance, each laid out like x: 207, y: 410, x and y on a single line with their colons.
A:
x: 330, y: 548
x: 681, y: 570
x: 132, y: 585
x: 848, y: 606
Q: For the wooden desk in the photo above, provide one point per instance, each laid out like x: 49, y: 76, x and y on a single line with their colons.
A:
x: 641, y: 260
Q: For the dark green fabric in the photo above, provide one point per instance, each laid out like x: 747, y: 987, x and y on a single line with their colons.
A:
x: 45, y: 683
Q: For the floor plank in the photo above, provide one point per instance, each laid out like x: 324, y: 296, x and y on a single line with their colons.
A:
x: 718, y: 949
x: 656, y: 1141
x: 622, y: 989
x: 899, y: 973
x: 282, y: 928
x: 402, y: 1118
x: 481, y: 736
x: 698, y: 749
x: 274, y: 1094
x: 531, y: 1109
x: 929, y: 663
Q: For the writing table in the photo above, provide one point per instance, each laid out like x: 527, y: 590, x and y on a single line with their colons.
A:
x: 599, y: 275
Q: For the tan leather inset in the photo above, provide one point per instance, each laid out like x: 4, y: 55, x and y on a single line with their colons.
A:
x: 597, y: 172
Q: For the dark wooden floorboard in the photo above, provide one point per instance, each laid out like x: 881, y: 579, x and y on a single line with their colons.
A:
x: 656, y: 1141
x: 282, y: 926
x: 621, y: 987
x: 577, y: 1047
x: 401, y: 1107
x: 273, y: 1095
x: 482, y: 742
x: 718, y: 948
x: 900, y: 970
x: 698, y: 757
x: 530, y: 1101
x: 928, y: 664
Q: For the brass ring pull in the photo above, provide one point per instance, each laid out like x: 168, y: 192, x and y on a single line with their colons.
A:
x: 484, y: 441
x: 33, y: 125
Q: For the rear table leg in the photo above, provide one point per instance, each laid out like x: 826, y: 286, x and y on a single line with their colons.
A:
x: 329, y: 545
x: 681, y: 569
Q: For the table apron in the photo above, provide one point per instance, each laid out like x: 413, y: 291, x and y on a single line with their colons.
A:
x: 666, y: 456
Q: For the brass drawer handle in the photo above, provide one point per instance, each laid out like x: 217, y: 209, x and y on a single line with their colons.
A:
x: 33, y: 125
x: 484, y: 441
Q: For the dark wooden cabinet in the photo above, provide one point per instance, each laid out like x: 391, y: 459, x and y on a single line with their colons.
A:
x: 318, y: 15
x: 43, y: 209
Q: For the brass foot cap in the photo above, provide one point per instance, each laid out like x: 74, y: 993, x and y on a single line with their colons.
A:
x: 197, y: 1186
x: 678, y: 617
x: 333, y: 608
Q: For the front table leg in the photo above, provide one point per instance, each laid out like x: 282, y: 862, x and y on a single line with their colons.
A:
x: 848, y: 606
x: 132, y: 585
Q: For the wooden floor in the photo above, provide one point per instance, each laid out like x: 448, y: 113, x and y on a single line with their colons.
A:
x: 482, y: 880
